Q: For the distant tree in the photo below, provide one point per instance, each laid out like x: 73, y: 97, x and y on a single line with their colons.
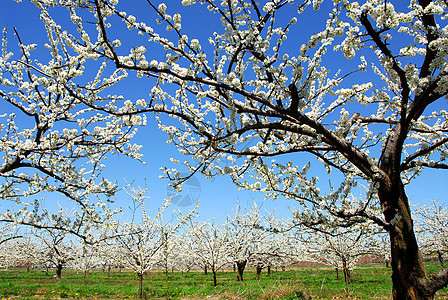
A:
x: 56, y: 246
x: 208, y: 244
x: 245, y: 232
x: 25, y: 252
x: 85, y: 257
x: 381, y: 248
x: 140, y: 241
x: 341, y: 249
x: 169, y: 254
x: 432, y: 228
x: 110, y: 254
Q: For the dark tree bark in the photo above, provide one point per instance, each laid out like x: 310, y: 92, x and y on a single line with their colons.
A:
x: 440, y: 257
x: 258, y: 268
x: 140, y: 285
x: 240, y: 265
x: 346, y: 278
x: 408, y: 270
x: 409, y: 277
x: 59, y: 267
x: 215, y: 282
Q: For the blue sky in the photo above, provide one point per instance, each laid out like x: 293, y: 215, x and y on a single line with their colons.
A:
x: 217, y: 196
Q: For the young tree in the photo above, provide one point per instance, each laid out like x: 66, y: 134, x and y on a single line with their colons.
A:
x: 245, y: 233
x: 169, y: 257
x: 342, y: 248
x: 141, y: 241
x: 85, y: 258
x: 381, y: 248
x: 108, y: 253
x: 56, y: 246
x: 208, y: 244
x: 382, y: 127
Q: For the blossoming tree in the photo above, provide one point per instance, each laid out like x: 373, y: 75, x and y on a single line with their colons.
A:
x: 431, y: 223
x: 245, y: 234
x: 140, y: 241
x: 246, y: 82
x: 23, y: 252
x: 56, y: 246
x: 85, y: 258
x: 341, y: 249
x: 49, y: 140
x: 207, y: 242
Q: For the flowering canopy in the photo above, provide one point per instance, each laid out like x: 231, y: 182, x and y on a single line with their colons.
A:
x: 244, y: 95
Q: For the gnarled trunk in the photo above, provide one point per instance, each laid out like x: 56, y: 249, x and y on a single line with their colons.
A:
x: 439, y: 255
x: 409, y: 277
x: 259, y: 268
x: 59, y: 271
x: 410, y: 280
x: 240, y: 265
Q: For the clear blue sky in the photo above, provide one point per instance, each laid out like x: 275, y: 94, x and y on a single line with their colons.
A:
x: 217, y: 196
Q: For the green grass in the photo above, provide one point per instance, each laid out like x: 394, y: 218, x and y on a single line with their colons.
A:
x: 367, y: 282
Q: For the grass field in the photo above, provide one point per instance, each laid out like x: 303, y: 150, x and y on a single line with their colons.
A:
x: 368, y: 282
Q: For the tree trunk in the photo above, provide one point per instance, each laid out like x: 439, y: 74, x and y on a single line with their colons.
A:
x: 439, y: 254
x: 269, y: 269
x: 59, y: 271
x: 140, y: 285
x: 240, y: 265
x: 84, y: 277
x: 337, y: 273
x: 409, y: 278
x: 108, y: 270
x: 205, y: 270
x: 347, y: 279
x: 259, y: 268
x: 215, y: 282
